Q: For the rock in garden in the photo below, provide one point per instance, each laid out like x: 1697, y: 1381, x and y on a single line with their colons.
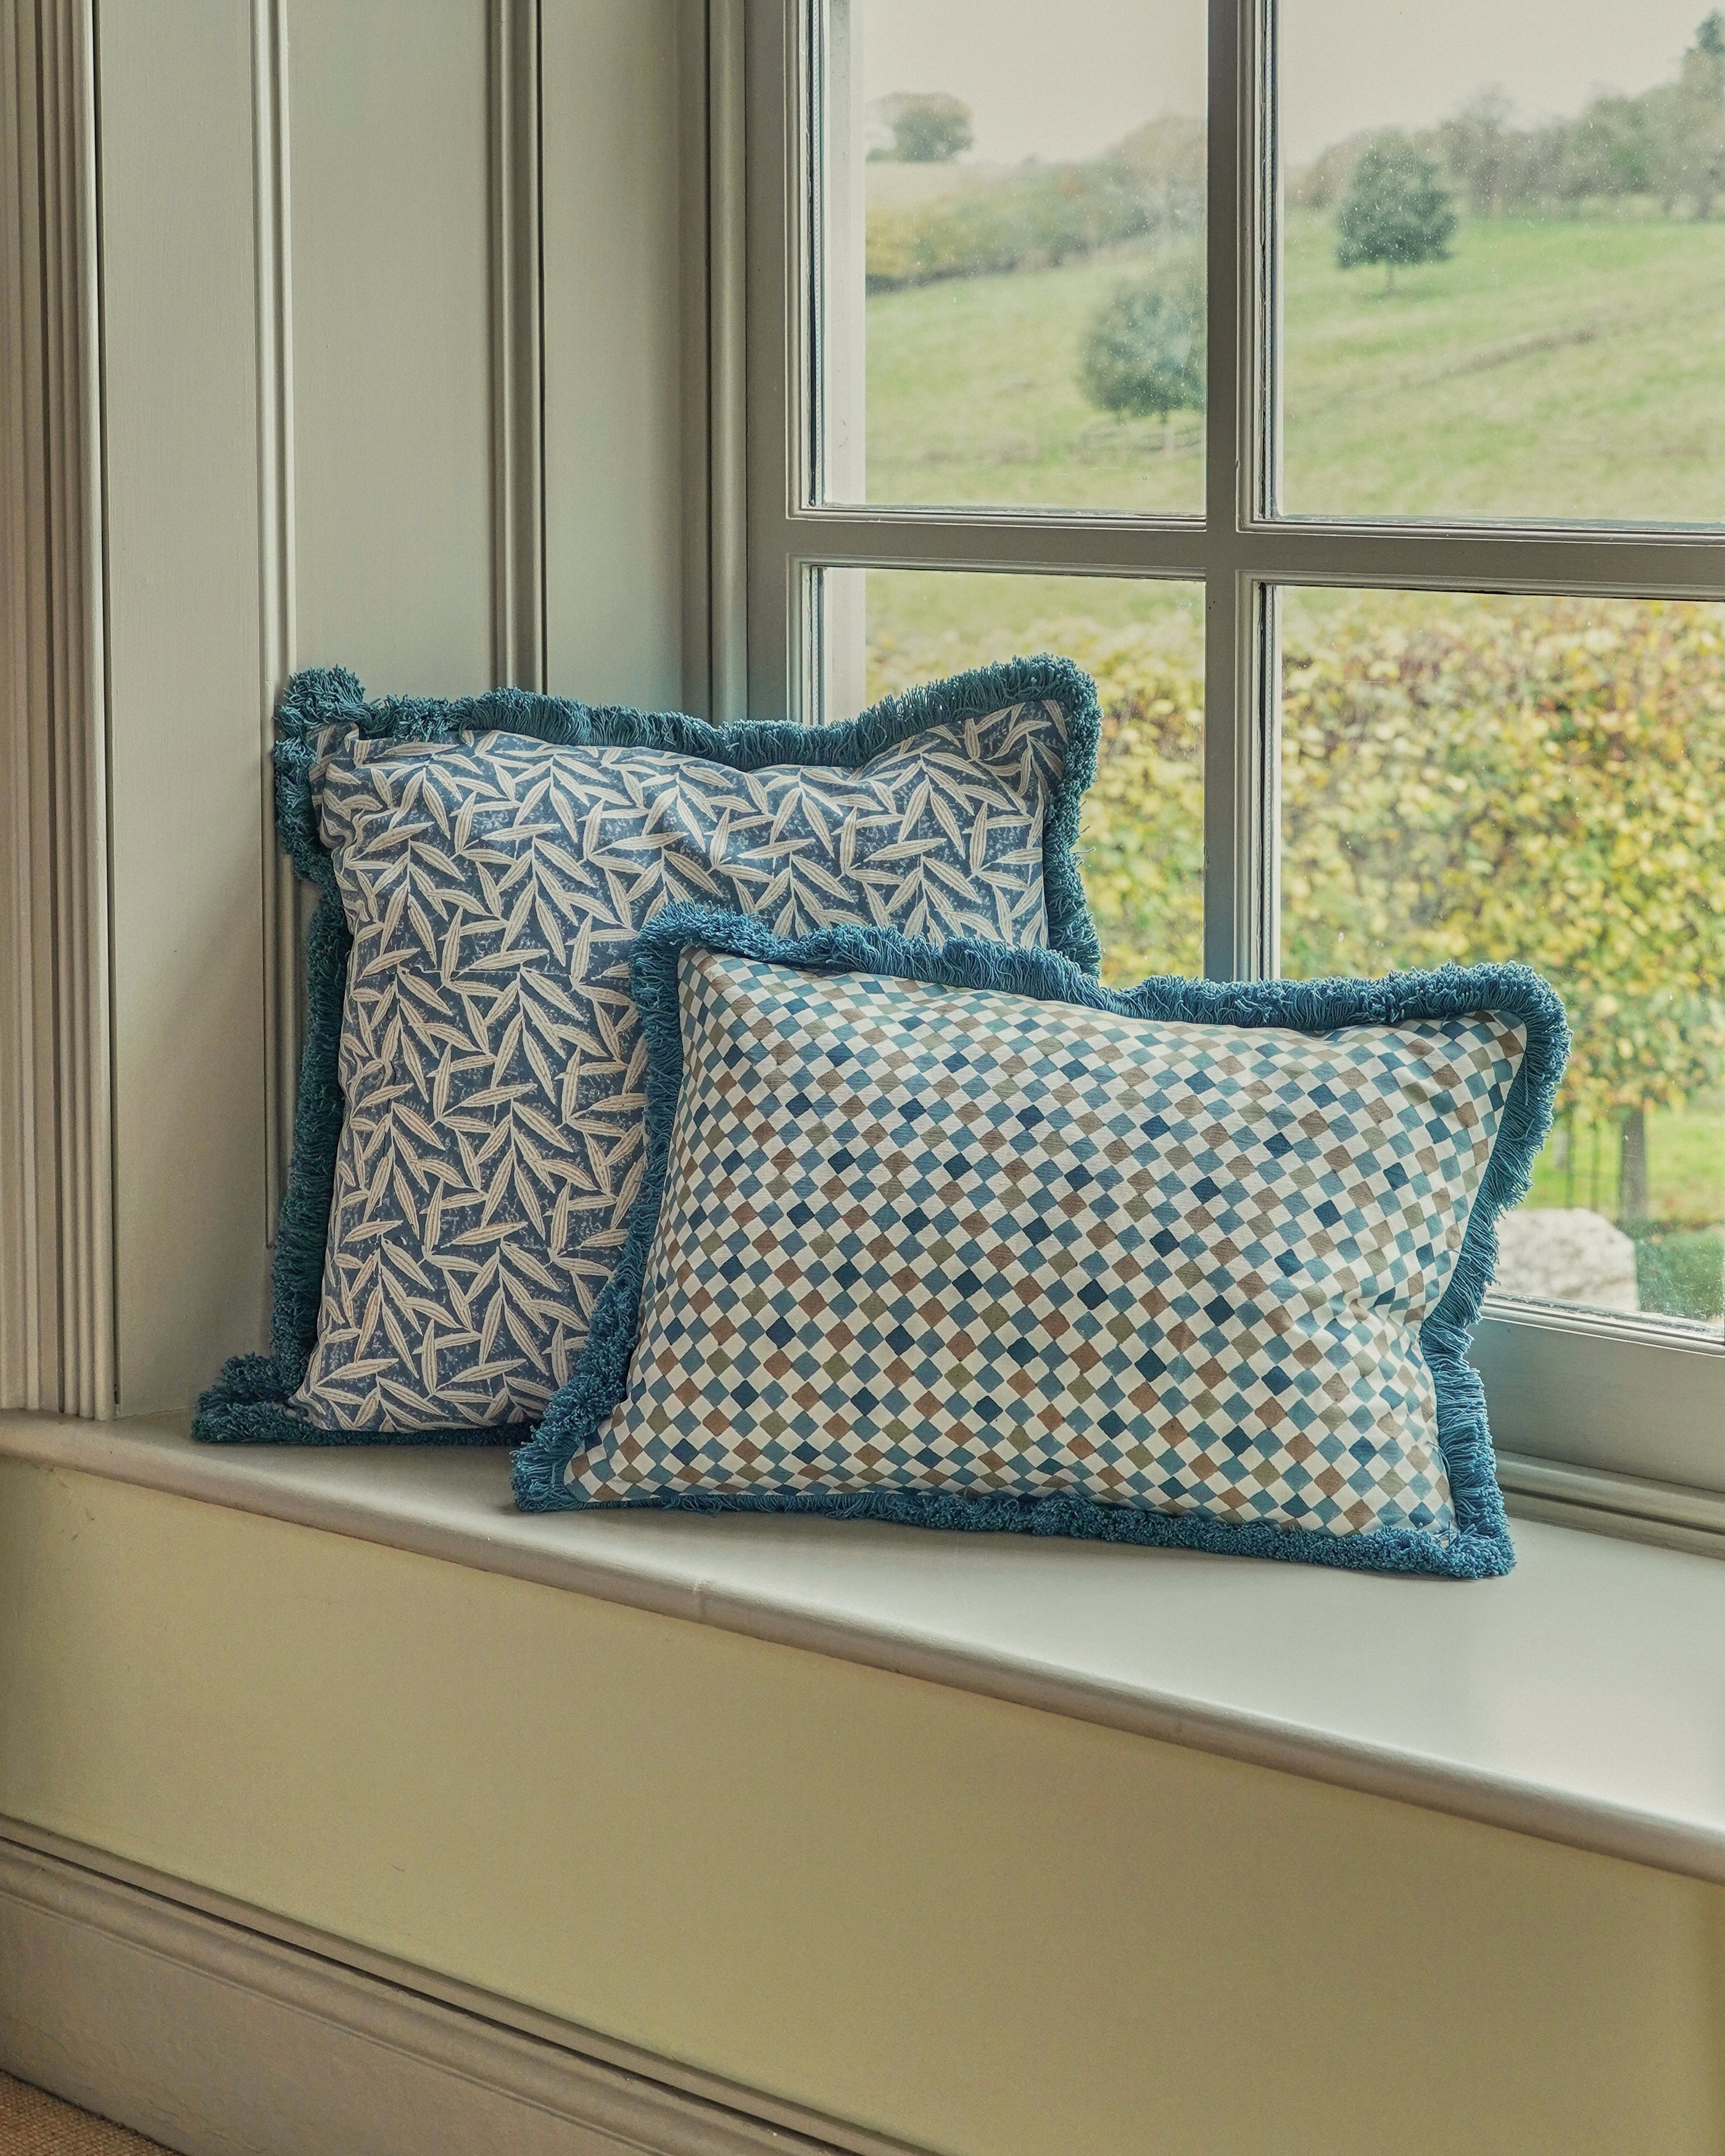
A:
x: 1566, y: 1254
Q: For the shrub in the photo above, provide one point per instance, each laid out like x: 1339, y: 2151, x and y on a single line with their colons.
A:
x: 1038, y: 218
x: 1682, y: 1271
x: 1396, y: 211
x: 1143, y: 354
x: 932, y: 129
x: 1462, y: 780
x: 1541, y: 779
x: 1169, y: 160
x: 1143, y: 817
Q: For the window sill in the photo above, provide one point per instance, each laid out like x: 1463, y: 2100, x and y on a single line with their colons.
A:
x: 1582, y: 1699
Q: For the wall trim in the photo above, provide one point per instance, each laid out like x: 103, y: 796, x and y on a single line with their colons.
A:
x: 517, y: 422
x: 727, y: 354
x: 694, y: 200
x: 517, y: 347
x: 277, y: 628
x: 217, y: 2028
x: 57, y: 1325
x: 28, y: 1298
x: 518, y: 631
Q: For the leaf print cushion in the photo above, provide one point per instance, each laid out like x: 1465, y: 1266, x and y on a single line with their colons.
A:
x: 470, y: 1138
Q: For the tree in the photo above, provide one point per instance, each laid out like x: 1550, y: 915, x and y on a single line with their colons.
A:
x: 1321, y: 184
x: 1541, y: 779
x: 1144, y: 356
x: 932, y: 129
x: 1481, y: 148
x: 1462, y: 779
x: 1609, y: 150
x: 1667, y: 140
x: 1686, y: 121
x: 1396, y: 210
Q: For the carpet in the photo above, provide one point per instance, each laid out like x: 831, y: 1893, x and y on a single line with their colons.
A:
x: 34, y: 2123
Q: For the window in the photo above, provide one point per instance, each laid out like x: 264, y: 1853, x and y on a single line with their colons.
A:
x: 1335, y: 386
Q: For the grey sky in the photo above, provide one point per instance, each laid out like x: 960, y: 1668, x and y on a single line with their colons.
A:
x: 1065, y: 78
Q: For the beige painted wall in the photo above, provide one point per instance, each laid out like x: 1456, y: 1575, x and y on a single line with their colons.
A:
x: 389, y: 478
x: 983, y: 1929
x: 615, y: 500
x: 389, y: 242
x: 186, y: 690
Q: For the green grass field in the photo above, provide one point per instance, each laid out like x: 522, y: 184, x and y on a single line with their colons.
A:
x: 1685, y: 1166
x: 1566, y: 368
x: 978, y: 616
x: 974, y: 397
x: 1569, y: 368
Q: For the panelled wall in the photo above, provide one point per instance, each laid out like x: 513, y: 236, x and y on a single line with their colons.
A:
x: 391, y: 373
x: 56, y: 1198
x: 967, y: 1925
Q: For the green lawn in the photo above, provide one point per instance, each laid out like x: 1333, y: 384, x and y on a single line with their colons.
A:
x: 967, y: 618
x: 974, y: 397
x: 1686, y: 1167
x: 1566, y: 369
x: 1680, y: 1262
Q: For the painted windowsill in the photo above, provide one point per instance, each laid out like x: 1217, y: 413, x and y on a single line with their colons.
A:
x: 1582, y: 1699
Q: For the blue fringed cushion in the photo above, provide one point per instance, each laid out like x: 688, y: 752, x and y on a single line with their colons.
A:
x: 470, y: 1135
x: 960, y: 1237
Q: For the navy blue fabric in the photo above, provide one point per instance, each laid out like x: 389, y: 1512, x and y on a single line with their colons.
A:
x: 247, y: 1403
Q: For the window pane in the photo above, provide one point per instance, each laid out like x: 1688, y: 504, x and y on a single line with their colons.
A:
x: 1012, y: 241
x: 1539, y: 779
x: 1503, y: 265
x: 886, y: 629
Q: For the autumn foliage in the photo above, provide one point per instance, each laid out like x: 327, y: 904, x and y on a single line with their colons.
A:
x: 1532, y: 779
x: 1462, y: 778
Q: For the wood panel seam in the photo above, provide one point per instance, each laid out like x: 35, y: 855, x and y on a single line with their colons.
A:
x: 57, y: 1332
x: 518, y: 631
x: 273, y: 270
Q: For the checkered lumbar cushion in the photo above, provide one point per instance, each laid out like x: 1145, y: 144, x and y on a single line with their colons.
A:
x: 472, y: 1133
x: 930, y: 1247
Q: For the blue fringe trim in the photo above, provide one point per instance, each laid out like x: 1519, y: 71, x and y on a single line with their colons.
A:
x: 248, y: 1403
x: 1480, y: 1548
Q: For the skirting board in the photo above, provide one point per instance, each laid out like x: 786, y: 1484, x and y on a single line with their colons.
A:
x: 219, y: 2030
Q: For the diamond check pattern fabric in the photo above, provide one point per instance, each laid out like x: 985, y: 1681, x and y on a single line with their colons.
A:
x: 932, y: 1238
x: 491, y: 1056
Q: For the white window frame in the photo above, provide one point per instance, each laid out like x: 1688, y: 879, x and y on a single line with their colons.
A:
x: 1615, y: 1416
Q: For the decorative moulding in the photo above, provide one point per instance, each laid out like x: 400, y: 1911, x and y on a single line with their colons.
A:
x: 56, y: 1198
x: 214, y: 2027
